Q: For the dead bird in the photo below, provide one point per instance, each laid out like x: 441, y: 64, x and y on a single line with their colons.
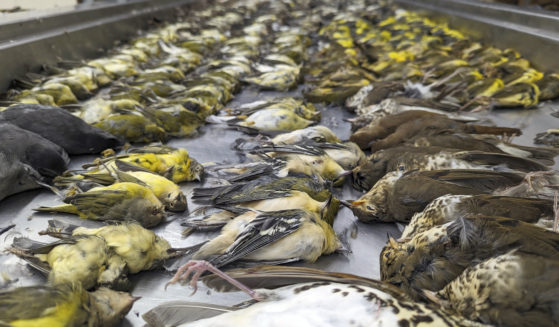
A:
x: 396, y: 129
x: 398, y: 195
x: 60, y: 127
x: 482, y: 292
x: 432, y: 259
x: 448, y: 208
x: 302, y: 292
x: 433, y: 158
x: 45, y: 157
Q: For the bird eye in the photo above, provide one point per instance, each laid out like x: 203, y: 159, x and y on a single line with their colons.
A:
x: 370, y: 208
x: 386, y: 255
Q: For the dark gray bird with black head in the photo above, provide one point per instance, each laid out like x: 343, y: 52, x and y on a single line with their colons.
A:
x: 60, y: 127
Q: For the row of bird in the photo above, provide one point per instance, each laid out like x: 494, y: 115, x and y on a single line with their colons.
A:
x: 393, y: 45
x: 489, y: 197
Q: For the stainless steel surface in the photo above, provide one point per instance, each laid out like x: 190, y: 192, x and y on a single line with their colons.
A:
x: 534, y: 33
x: 33, y: 38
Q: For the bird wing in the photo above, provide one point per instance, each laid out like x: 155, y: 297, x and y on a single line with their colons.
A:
x: 270, y: 277
x: 28, y: 302
x: 98, y: 202
x: 289, y: 148
x: 263, y: 230
x: 483, y: 180
x: 125, y: 166
x: 177, y: 313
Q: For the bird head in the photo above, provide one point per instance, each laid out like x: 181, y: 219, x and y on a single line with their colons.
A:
x: 109, y: 307
x: 176, y: 201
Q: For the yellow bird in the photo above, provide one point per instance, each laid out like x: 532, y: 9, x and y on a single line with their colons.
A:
x: 63, y: 306
x: 120, y: 201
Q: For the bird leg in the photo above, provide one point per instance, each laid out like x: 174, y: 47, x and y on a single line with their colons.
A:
x: 198, y: 267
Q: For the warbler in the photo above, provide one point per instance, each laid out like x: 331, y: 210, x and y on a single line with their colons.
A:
x: 165, y: 190
x: 111, y: 253
x: 317, y: 133
x: 172, y: 163
x: 64, y: 306
x: 277, y: 236
x: 272, y: 121
x: 302, y: 292
x: 317, y: 158
x: 133, y: 128
x: 120, y: 201
x: 80, y: 260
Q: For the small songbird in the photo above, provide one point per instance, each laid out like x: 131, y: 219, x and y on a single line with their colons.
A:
x: 305, y: 298
x: 277, y: 236
x: 483, y: 292
x: 486, y: 143
x: 64, y: 305
x: 173, y: 163
x: 60, y: 127
x: 120, y: 201
x: 317, y: 133
x: 318, y: 158
x: 435, y: 158
x: 164, y: 189
x: 45, y: 157
x: 432, y: 259
x: 448, y: 208
x: 95, y: 256
x: 398, y: 195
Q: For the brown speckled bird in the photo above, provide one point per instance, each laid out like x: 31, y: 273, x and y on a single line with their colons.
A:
x: 399, y: 128
x: 432, y: 259
x: 513, y: 290
x: 398, y: 195
x: 432, y: 158
x: 448, y: 208
x: 306, y: 297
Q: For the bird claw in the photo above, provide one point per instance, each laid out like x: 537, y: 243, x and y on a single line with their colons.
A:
x: 198, y: 267
x: 194, y: 267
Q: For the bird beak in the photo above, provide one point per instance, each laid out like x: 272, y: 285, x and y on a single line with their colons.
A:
x: 393, y: 242
x: 326, y: 205
x: 357, y: 203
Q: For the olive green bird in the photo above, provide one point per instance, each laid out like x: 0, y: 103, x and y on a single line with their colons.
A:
x: 95, y: 256
x: 120, y: 201
x: 432, y: 259
x: 63, y: 306
x: 164, y: 189
x: 133, y: 128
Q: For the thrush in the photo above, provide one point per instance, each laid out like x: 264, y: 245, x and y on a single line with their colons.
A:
x: 448, y: 208
x: 398, y: 195
x: 483, y: 292
x: 305, y: 298
x: 432, y: 259
x: 432, y: 158
x: 486, y: 143
x: 396, y: 129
